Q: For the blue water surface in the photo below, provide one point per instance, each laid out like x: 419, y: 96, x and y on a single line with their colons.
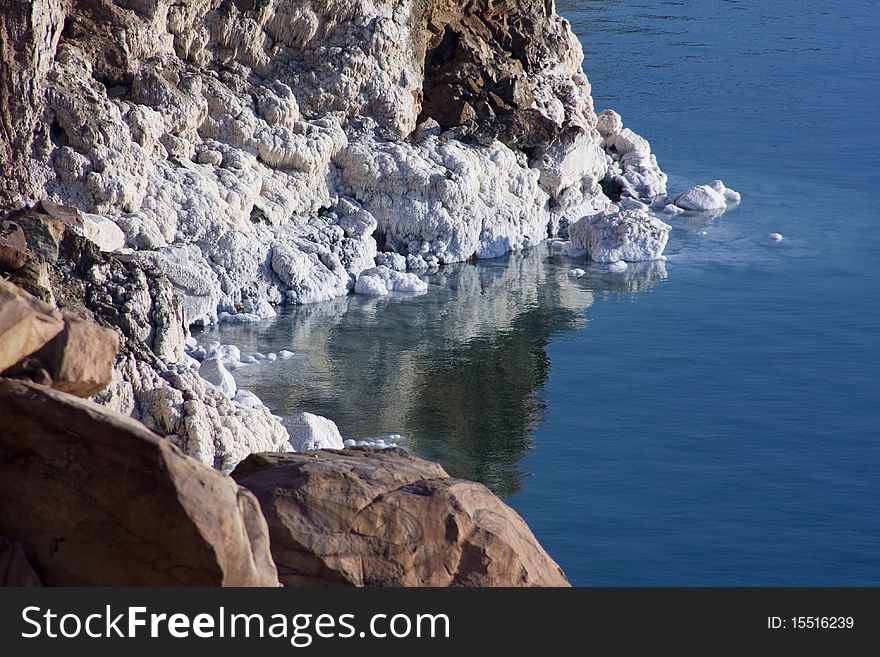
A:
x: 723, y: 427
x: 710, y: 421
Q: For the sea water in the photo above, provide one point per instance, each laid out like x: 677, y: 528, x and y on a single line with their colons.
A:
x: 710, y: 420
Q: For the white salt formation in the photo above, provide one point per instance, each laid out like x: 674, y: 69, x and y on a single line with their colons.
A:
x: 714, y: 196
x: 379, y: 281
x: 308, y: 431
x: 631, y: 165
x: 612, y: 236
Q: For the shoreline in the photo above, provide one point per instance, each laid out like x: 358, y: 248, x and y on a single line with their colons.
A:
x: 173, y: 166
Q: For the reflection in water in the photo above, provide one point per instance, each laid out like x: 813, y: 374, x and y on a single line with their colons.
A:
x: 457, y: 371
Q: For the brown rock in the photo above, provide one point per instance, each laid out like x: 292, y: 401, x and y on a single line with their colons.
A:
x: 80, y: 358
x: 75, y: 356
x: 34, y: 278
x: 476, y: 84
x: 43, y: 232
x: 368, y: 517
x: 13, y: 247
x: 26, y: 324
x: 15, y: 569
x: 65, y: 214
x: 497, y: 101
x: 491, y: 50
x: 525, y: 128
x: 95, y: 498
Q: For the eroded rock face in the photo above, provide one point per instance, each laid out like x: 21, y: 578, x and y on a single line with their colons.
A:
x: 95, y: 498
x: 483, y: 63
x: 366, y: 517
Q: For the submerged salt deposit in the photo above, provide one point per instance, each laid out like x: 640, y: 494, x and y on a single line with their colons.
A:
x: 379, y: 281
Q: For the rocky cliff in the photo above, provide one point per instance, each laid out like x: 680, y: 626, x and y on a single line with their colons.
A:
x: 168, y: 164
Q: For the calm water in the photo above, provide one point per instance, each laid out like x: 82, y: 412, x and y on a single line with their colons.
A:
x: 713, y: 421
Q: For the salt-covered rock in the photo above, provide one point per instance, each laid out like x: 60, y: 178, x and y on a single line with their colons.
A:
x: 199, y: 352
x: 391, y: 260
x: 307, y: 275
x: 776, y: 237
x: 239, y: 318
x: 729, y: 195
x: 308, y: 431
x: 195, y: 283
x: 247, y: 398
x: 573, y: 161
x: 151, y: 378
x: 632, y: 167
x: 699, y: 198
x: 252, y: 155
x: 608, y: 237
x: 714, y: 196
x: 385, y: 441
x: 102, y: 231
x: 381, y: 280
x: 576, y: 272
x: 228, y: 354
x: 627, y: 203
x: 213, y: 371
x: 446, y: 199
x: 672, y: 209
x: 618, y: 266
x: 377, y: 443
x: 259, y: 306
x: 609, y: 123
x: 197, y: 416
x: 284, y: 354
